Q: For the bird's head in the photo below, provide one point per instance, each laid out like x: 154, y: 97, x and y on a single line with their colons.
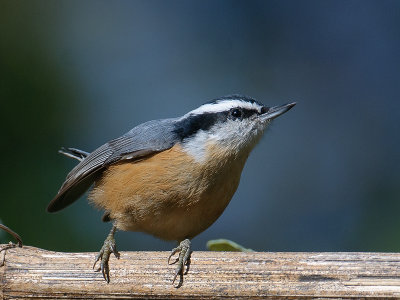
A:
x: 234, y: 123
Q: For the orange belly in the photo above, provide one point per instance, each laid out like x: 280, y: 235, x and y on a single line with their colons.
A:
x: 169, y: 195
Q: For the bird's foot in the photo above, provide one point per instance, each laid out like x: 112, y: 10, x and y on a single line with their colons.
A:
x: 109, y: 247
x: 185, y: 251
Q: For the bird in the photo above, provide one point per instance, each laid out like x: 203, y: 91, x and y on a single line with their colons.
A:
x: 171, y: 178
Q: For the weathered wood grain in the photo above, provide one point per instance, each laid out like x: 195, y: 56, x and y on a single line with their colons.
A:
x: 37, y: 273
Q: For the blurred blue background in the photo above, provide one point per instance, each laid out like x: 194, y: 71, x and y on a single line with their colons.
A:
x: 324, y: 178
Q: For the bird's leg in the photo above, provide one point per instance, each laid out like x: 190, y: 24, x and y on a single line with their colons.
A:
x: 104, y: 254
x: 185, y: 251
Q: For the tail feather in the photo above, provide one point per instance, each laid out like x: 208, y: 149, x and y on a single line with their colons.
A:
x: 74, y: 153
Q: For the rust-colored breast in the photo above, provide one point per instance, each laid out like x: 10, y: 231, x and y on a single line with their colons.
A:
x: 169, y: 195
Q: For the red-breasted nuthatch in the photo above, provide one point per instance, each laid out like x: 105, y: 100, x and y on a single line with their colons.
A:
x: 171, y: 178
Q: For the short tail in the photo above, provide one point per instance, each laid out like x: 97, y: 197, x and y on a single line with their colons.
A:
x: 74, y: 153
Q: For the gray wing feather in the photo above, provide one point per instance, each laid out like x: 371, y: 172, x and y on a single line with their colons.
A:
x: 145, y: 139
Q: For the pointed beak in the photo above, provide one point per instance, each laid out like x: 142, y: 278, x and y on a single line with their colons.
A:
x: 275, y: 111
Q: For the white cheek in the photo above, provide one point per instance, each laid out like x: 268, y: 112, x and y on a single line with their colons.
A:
x: 196, y: 146
x: 232, y: 136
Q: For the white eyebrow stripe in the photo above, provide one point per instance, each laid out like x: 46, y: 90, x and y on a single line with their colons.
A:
x: 224, y: 105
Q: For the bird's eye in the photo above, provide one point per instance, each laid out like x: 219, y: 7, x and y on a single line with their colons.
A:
x: 236, y: 113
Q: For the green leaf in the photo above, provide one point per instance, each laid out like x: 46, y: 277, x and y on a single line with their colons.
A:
x: 226, y: 245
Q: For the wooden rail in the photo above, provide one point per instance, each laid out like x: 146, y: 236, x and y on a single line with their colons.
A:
x: 31, y: 272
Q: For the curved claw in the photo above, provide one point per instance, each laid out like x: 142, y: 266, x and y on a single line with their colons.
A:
x: 105, y: 270
x: 97, y: 258
x: 172, y: 253
x: 176, y: 275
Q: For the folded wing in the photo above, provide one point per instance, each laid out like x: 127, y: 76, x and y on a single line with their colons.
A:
x: 146, y: 139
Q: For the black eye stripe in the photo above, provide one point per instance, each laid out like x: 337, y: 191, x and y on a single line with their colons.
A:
x: 194, y: 123
x: 243, y: 113
x: 246, y: 113
x: 264, y: 110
